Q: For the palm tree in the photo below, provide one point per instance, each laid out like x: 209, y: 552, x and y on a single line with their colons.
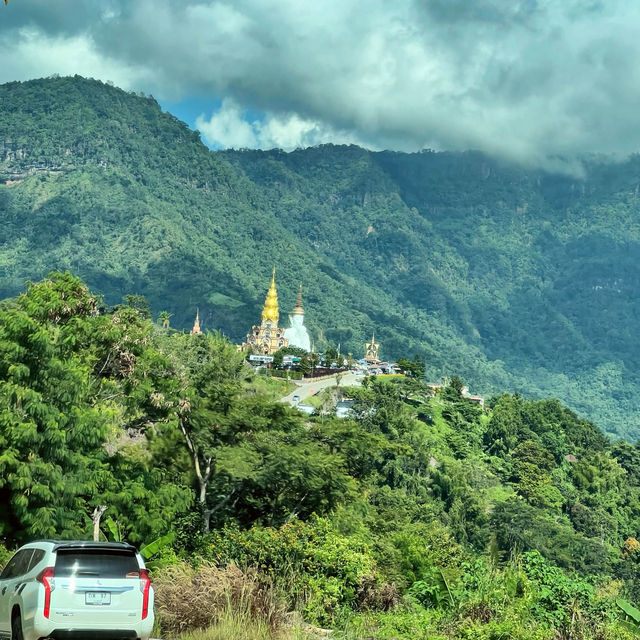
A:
x: 163, y: 319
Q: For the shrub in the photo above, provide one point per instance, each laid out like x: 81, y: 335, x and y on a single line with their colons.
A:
x: 189, y: 599
x: 5, y: 554
x: 421, y: 547
x: 317, y: 568
x: 376, y: 596
x: 433, y: 590
x: 559, y: 598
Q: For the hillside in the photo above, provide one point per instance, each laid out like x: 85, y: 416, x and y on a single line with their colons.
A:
x: 418, y: 516
x: 514, y: 279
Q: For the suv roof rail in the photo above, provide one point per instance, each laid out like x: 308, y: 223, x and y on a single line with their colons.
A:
x: 87, y: 544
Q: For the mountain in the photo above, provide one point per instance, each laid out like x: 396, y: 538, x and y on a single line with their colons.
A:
x: 511, y: 277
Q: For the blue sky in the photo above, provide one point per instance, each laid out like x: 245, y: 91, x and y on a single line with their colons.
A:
x: 528, y: 80
x: 191, y: 108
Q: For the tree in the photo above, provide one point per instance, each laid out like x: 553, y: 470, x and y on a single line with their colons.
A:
x: 50, y: 432
x: 532, y: 476
x: 253, y: 459
x: 140, y: 304
x: 58, y: 416
x: 211, y: 371
x: 413, y: 388
x: 419, y: 366
x: 163, y: 319
x: 505, y: 426
x: 414, y: 368
x: 278, y: 357
x: 406, y: 366
x: 305, y: 365
x: 453, y: 391
x: 330, y: 356
x: 275, y: 470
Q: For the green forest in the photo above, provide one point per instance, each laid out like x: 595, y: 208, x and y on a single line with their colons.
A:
x: 514, y: 278
x: 422, y: 516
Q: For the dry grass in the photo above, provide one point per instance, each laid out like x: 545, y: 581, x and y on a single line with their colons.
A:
x: 234, y: 628
x: 230, y: 628
x: 215, y: 599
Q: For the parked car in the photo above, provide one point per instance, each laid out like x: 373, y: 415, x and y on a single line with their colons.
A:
x: 75, y: 589
x: 296, y: 399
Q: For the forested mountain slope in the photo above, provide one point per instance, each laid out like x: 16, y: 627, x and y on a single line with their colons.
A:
x: 513, y: 278
x: 421, y: 516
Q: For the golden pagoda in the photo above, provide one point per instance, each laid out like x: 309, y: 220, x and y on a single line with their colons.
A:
x: 267, y: 337
x: 371, y: 350
x: 270, y: 313
x: 196, y: 325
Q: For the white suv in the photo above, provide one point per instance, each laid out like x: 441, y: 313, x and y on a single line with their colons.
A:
x: 66, y: 590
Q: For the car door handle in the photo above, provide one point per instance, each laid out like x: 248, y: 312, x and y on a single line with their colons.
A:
x: 4, y: 590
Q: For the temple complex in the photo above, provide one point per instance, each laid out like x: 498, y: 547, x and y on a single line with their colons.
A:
x: 371, y: 350
x: 297, y: 334
x: 266, y: 338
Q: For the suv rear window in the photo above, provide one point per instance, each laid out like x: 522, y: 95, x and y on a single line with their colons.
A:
x: 96, y: 563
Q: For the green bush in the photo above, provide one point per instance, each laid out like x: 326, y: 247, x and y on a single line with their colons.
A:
x: 317, y: 568
x: 5, y: 554
x: 421, y: 547
x: 402, y: 625
x: 559, y: 599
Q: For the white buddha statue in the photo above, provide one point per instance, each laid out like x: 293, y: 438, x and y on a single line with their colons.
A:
x: 297, y: 333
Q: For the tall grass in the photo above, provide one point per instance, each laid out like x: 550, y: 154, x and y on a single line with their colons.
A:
x: 210, y: 597
x: 235, y: 626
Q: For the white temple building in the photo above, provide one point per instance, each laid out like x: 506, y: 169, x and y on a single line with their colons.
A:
x: 297, y: 333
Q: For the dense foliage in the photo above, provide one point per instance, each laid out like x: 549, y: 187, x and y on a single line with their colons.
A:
x: 421, y: 516
x: 513, y: 278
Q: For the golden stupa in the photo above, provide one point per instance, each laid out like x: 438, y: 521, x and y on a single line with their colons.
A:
x: 270, y: 311
x: 196, y: 325
x: 267, y: 337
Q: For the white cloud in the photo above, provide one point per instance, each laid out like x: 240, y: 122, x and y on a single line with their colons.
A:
x: 227, y: 128
x: 31, y: 53
x: 520, y: 78
x: 230, y: 127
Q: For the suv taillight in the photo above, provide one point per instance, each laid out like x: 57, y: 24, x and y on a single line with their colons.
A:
x: 46, y: 577
x: 145, y: 585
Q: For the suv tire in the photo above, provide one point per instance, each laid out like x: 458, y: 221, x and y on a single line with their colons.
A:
x: 16, y: 627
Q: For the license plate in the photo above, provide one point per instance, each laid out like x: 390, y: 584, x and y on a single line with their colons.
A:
x: 97, y: 598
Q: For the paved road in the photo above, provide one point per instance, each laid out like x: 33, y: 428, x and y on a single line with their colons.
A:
x: 308, y: 388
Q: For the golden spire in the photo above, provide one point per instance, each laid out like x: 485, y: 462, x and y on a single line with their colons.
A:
x: 270, y: 311
x: 196, y: 324
x: 371, y: 349
x: 298, y: 310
